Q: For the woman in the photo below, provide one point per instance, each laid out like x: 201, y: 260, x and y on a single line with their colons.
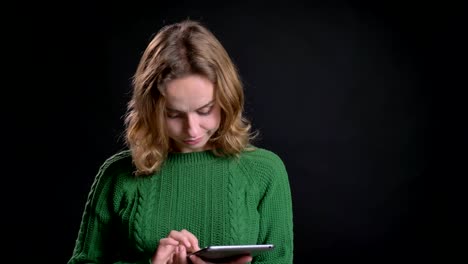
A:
x: 190, y: 176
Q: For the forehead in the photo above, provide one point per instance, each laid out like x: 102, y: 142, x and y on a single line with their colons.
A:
x: 189, y: 93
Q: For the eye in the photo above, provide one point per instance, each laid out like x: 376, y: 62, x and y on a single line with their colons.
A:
x: 205, y: 111
x: 172, y: 115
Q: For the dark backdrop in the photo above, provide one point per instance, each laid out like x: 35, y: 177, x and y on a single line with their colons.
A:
x: 361, y: 102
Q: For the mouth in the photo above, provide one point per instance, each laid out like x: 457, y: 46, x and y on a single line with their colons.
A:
x: 193, y: 141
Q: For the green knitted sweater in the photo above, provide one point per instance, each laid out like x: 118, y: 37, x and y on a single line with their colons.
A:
x: 222, y: 201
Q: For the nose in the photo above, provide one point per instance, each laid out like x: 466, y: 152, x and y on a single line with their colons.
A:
x: 192, y: 126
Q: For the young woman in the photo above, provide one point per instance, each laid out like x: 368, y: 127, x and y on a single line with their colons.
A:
x: 190, y: 176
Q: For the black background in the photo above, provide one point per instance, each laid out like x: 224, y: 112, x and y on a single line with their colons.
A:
x: 362, y: 101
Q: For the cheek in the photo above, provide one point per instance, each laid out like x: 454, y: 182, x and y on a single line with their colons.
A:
x: 173, y: 127
x: 210, y: 124
x: 215, y: 119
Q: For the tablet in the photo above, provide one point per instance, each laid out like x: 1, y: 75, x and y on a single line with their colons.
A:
x: 229, y: 252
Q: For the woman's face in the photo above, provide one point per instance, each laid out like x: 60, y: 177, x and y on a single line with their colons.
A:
x: 192, y: 113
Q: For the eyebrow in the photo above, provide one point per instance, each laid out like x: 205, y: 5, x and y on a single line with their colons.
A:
x: 206, y: 105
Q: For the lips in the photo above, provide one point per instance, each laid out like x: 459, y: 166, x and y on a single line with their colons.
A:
x: 193, y: 141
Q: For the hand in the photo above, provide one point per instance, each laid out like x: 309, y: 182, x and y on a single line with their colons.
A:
x: 173, y: 249
x: 239, y: 260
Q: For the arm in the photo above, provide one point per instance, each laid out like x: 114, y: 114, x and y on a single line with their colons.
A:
x: 97, y: 240
x: 276, y: 215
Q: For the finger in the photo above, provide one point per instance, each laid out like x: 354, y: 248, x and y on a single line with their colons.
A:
x: 184, y: 237
x: 192, y: 239
x: 168, y: 241
x: 165, y: 250
x: 182, y: 255
x: 179, y: 236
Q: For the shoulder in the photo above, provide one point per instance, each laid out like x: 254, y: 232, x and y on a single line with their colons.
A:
x: 114, y: 180
x: 263, y: 164
x: 262, y: 157
x: 121, y: 160
x: 116, y: 168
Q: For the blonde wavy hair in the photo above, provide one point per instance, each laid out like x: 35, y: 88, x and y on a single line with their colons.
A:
x: 178, y: 50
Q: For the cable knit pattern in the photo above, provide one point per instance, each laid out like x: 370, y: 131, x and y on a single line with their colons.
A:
x: 139, y: 240
x: 223, y: 201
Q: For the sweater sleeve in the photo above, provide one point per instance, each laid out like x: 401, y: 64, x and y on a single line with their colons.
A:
x: 276, y: 215
x: 97, y: 235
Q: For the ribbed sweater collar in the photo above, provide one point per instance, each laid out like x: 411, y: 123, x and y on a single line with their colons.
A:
x: 192, y: 157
